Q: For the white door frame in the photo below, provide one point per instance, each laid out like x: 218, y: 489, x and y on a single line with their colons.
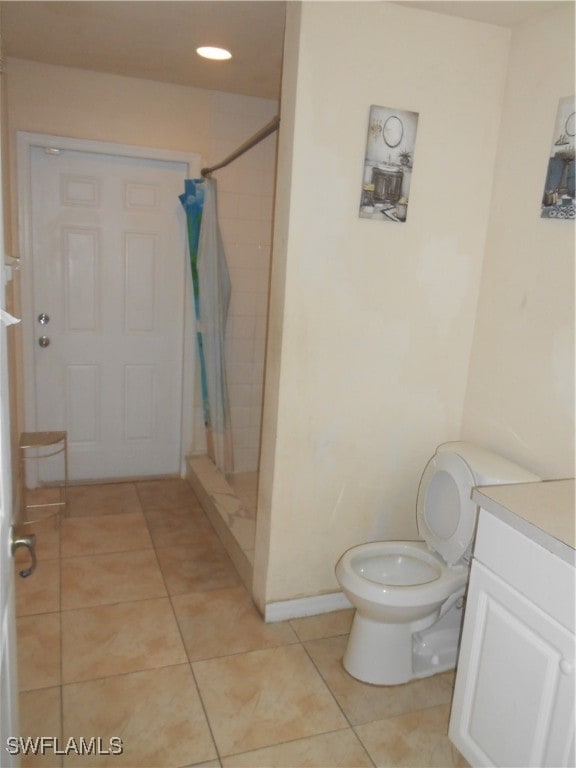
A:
x: 8, y: 661
x: 25, y: 142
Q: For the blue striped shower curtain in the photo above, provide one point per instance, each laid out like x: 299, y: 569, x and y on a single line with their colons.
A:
x: 211, y: 289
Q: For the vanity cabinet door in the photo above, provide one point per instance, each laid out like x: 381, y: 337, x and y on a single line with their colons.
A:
x: 514, y: 694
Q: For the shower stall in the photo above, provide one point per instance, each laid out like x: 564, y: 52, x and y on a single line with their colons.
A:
x: 245, y: 182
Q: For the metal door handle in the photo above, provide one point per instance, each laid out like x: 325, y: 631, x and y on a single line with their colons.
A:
x: 43, y: 318
x: 43, y: 341
x: 30, y: 543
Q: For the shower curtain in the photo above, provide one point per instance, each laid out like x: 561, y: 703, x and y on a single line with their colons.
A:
x: 211, y: 288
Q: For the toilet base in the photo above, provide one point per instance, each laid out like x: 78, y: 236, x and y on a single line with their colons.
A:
x: 392, y: 654
x: 379, y: 653
x: 436, y: 649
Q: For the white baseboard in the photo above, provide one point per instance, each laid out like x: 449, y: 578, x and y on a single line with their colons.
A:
x: 306, y: 606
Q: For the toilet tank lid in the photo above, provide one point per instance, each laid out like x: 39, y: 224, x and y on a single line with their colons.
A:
x: 488, y: 467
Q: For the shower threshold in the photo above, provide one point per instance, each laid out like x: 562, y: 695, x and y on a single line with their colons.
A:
x: 232, y: 512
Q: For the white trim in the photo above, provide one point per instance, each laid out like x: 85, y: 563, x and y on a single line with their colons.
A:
x: 306, y: 606
x: 24, y: 143
x: 8, y: 657
x: 26, y: 140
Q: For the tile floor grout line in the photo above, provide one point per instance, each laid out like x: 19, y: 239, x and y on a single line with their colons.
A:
x: 205, y: 711
x: 37, y: 614
x: 350, y: 725
x: 100, y: 678
x: 106, y: 554
x: 109, y: 605
x: 198, y: 692
x: 301, y: 738
x: 61, y: 643
x: 158, y: 563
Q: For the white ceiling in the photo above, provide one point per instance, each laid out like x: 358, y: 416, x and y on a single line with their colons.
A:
x: 154, y: 40
x: 157, y: 40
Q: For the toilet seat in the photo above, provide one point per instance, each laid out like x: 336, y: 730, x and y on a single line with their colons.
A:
x: 445, y: 512
x: 439, y: 582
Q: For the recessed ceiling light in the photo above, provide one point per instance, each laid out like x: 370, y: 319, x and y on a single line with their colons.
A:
x: 209, y: 52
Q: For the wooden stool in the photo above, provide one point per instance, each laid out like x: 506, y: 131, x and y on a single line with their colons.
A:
x: 31, y: 449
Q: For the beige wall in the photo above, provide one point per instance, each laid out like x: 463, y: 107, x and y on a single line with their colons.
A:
x: 84, y: 104
x: 521, y: 388
x: 90, y: 105
x: 369, y: 350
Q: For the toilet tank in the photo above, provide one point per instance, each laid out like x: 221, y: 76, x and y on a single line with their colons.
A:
x: 487, y: 467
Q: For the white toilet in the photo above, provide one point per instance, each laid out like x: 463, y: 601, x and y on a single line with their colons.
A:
x: 409, y: 595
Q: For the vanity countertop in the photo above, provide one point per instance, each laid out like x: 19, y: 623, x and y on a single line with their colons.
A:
x: 544, y: 511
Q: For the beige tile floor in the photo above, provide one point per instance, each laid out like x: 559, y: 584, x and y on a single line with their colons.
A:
x: 136, y: 625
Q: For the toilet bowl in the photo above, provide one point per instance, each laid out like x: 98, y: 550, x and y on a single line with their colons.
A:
x: 409, y: 595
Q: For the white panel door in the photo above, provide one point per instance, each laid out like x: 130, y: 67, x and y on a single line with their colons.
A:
x: 8, y: 683
x: 109, y: 268
x: 8, y: 675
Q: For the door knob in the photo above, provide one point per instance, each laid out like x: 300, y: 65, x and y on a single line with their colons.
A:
x: 566, y: 667
x: 43, y: 341
x: 30, y: 543
x: 43, y: 318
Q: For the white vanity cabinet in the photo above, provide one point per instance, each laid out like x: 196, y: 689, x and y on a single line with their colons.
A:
x: 515, y: 684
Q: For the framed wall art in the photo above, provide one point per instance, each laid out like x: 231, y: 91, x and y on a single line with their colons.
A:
x: 558, y: 197
x: 388, y: 164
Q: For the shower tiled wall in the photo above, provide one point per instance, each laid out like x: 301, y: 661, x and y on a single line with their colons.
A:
x: 245, y: 202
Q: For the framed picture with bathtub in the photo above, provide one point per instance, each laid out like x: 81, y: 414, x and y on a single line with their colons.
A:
x: 559, y: 196
x: 388, y: 164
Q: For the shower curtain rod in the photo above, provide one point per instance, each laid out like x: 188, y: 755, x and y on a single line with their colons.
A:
x: 256, y: 139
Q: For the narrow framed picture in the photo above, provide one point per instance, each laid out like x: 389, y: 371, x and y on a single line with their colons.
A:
x: 388, y: 164
x: 558, y: 196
